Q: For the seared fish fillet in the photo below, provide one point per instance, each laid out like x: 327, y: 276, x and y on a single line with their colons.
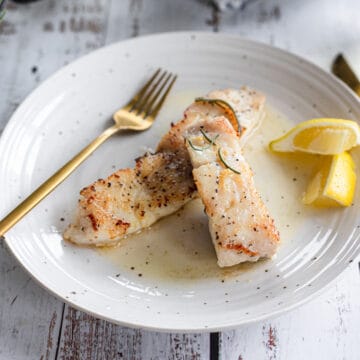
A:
x: 161, y: 183
x: 132, y: 199
x: 240, y: 225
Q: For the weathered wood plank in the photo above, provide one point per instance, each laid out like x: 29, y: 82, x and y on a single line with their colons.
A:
x: 38, y: 39
x: 302, y: 27
x: 85, y: 337
x: 140, y: 17
x: 325, y: 328
x: 29, y: 317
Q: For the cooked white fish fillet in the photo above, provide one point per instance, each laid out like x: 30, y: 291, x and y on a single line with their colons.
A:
x: 240, y: 225
x: 132, y: 199
x: 161, y: 183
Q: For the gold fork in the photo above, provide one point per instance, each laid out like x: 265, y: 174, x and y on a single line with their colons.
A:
x: 137, y: 115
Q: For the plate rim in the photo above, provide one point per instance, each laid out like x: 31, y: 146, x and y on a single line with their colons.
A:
x: 155, y: 37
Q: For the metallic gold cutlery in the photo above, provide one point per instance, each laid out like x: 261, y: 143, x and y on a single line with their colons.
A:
x: 343, y: 71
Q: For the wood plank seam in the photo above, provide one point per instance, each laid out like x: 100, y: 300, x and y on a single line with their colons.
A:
x: 214, y: 345
x: 60, y: 332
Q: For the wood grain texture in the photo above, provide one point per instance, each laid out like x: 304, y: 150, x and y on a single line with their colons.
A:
x: 325, y: 328
x: 29, y: 317
x: 36, y: 40
x: 85, y: 337
x: 314, y: 29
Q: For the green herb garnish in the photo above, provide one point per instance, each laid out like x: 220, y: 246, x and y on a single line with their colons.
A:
x: 196, y: 148
x: 228, y: 108
x: 226, y: 165
x: 211, y: 141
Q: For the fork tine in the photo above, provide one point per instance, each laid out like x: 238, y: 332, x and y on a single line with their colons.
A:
x: 153, y: 113
x: 151, y: 100
x: 141, y: 92
x: 145, y: 98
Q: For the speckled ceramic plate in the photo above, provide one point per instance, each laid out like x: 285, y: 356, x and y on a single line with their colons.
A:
x: 167, y: 278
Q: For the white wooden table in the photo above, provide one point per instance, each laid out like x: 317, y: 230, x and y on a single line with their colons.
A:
x: 37, y: 39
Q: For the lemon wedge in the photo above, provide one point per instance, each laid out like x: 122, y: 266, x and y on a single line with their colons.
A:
x: 319, y: 136
x: 334, y: 184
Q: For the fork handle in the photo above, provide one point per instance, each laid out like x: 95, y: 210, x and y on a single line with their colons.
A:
x: 50, y: 184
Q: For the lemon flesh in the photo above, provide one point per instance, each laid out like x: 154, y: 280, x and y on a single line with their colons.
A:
x: 334, y: 184
x: 319, y: 136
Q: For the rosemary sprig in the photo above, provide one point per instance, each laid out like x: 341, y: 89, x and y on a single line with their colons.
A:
x: 226, y: 164
x: 196, y: 148
x: 211, y: 141
x: 227, y: 107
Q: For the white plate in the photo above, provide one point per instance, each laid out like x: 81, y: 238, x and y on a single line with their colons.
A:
x: 70, y: 108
